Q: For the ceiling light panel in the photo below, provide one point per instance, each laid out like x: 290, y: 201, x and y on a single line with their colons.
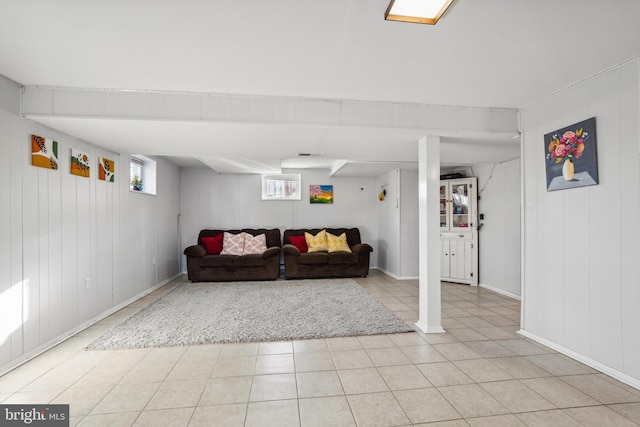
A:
x: 416, y: 11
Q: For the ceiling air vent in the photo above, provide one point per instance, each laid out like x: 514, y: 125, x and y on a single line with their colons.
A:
x: 309, y: 155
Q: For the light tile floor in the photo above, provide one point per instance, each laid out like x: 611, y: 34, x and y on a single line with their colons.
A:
x: 480, y: 373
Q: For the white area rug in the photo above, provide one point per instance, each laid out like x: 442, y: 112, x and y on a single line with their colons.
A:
x: 205, y: 313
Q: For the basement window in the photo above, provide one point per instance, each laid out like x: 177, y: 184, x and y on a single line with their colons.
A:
x: 142, y: 174
x: 281, y: 187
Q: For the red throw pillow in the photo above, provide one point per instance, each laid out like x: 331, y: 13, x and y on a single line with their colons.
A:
x: 299, y: 242
x: 213, y: 244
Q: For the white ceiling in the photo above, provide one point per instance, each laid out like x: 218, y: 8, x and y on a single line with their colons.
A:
x: 490, y: 53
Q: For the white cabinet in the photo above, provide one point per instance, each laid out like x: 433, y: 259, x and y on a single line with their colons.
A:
x: 457, y: 259
x: 458, y: 205
x: 458, y: 231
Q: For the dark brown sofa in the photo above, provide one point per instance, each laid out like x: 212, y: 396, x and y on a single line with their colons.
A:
x: 218, y: 268
x: 322, y: 264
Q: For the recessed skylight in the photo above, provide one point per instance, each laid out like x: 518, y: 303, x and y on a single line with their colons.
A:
x: 416, y: 11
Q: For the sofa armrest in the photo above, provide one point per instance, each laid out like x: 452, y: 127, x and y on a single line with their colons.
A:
x: 361, y: 248
x: 289, y: 249
x: 195, y: 251
x: 270, y: 252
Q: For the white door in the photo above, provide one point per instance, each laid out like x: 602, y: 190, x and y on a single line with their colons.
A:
x: 459, y: 262
x: 444, y: 258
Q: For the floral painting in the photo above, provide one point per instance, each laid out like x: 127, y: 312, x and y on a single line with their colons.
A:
x: 106, y: 169
x: 44, y: 152
x: 321, y: 194
x: 80, y: 163
x: 571, y: 156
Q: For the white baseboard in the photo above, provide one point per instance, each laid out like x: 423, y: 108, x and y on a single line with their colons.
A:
x: 614, y: 373
x: 65, y: 336
x: 501, y: 291
x: 395, y: 276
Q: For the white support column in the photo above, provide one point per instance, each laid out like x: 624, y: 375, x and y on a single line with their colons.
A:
x: 430, y: 320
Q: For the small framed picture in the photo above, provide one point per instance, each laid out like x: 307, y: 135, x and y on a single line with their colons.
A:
x: 321, y: 194
x: 571, y: 156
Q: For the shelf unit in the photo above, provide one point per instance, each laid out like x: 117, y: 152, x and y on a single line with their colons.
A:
x: 458, y: 231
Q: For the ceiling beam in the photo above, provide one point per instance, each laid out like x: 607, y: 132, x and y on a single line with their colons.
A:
x: 455, y: 121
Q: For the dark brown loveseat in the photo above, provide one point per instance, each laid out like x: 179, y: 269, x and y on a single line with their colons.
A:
x: 217, y: 268
x: 309, y: 265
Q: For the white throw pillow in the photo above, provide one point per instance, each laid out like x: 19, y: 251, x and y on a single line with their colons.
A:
x: 232, y: 244
x: 254, y: 245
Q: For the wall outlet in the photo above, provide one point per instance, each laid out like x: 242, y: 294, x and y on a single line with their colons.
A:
x: 87, y: 283
x: 153, y: 261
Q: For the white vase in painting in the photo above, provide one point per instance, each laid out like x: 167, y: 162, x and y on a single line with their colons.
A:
x: 567, y: 170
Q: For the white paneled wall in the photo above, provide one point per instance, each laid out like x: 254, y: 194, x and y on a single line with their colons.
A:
x: 409, y: 259
x: 59, y: 229
x: 581, y: 282
x: 499, y: 237
x: 212, y: 200
x: 10, y: 99
x: 389, y: 223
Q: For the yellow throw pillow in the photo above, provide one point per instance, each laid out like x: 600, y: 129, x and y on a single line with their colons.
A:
x: 337, y: 243
x: 317, y: 243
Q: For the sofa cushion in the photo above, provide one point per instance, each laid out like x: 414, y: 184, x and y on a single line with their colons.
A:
x: 299, y: 242
x: 254, y: 244
x: 217, y: 260
x: 353, y: 234
x: 313, y: 258
x: 337, y: 243
x: 213, y: 244
x: 233, y: 244
x: 252, y: 260
x: 317, y: 243
x: 342, y: 258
